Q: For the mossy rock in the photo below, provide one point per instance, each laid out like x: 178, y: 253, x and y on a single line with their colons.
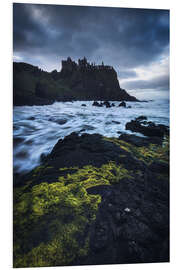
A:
x: 53, y: 211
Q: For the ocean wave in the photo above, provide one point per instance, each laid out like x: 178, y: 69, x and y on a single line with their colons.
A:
x: 36, y: 129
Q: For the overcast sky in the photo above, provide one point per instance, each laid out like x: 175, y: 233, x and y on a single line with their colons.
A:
x: 134, y: 41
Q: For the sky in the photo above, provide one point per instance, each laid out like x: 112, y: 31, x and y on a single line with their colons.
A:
x: 134, y: 41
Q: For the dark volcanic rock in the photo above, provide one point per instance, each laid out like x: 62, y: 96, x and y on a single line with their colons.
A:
x: 17, y: 141
x: 61, y: 121
x: 140, y: 118
x: 147, y: 128
x: 159, y: 167
x: 58, y: 121
x: 132, y: 221
x: 122, y: 104
x: 97, y: 104
x: 140, y: 141
x: 107, y: 104
x: 128, y: 225
x: 87, y: 149
x: 31, y: 118
x: 116, y: 122
x: 84, y: 105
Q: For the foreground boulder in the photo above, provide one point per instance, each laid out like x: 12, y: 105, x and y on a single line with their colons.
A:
x: 94, y: 200
x: 147, y: 128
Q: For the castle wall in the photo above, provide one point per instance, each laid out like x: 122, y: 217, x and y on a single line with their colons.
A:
x: 82, y: 64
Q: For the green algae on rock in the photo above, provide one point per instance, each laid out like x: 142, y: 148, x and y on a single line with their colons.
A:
x: 49, y: 220
x: 70, y: 211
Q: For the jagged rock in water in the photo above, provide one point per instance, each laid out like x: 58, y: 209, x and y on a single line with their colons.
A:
x: 122, y: 104
x: 97, y: 104
x: 140, y: 118
x: 58, y: 121
x: 107, y: 104
x: 147, y: 128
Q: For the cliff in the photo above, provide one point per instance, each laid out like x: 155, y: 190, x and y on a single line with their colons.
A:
x: 75, y: 81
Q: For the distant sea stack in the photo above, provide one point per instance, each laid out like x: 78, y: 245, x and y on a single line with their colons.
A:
x: 75, y: 81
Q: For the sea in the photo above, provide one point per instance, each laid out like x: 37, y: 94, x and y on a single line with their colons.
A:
x: 36, y: 129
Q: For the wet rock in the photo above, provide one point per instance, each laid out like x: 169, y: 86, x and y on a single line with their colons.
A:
x: 17, y: 141
x: 118, y: 216
x: 29, y: 142
x: 107, y: 104
x: 31, y: 118
x: 87, y: 127
x: 43, y: 157
x: 101, y: 104
x: 75, y: 150
x: 116, y: 122
x: 122, y: 104
x: 58, y: 121
x: 147, y: 128
x: 131, y: 237
x: 61, y: 121
x: 84, y: 105
x: 139, y: 141
x: 97, y: 104
x: 159, y: 167
x: 82, y: 130
x: 141, y: 118
x: 22, y: 154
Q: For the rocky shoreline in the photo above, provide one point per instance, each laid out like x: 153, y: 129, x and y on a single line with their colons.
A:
x: 96, y: 200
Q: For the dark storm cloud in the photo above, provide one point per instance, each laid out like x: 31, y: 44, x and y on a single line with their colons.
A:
x: 126, y: 74
x: 159, y: 83
x: 124, y: 38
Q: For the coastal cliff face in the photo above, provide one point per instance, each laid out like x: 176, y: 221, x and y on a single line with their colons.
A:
x: 75, y: 81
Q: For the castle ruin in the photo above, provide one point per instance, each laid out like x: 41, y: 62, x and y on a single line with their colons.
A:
x: 83, y: 64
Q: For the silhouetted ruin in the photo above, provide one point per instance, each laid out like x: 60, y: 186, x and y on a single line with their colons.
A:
x: 75, y: 81
x: 83, y: 64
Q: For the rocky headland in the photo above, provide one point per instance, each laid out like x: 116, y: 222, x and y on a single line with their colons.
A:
x: 75, y: 81
x: 96, y: 200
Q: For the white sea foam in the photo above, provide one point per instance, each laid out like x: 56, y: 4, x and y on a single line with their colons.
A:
x: 36, y: 128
